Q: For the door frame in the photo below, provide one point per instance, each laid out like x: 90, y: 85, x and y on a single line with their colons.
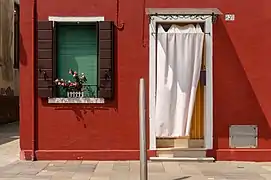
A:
x: 208, y: 89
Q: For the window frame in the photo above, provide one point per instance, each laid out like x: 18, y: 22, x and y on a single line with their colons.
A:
x: 67, y: 19
x: 46, y: 60
x: 56, y: 57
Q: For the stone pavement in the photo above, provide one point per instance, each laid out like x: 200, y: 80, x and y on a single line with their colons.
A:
x: 13, y: 169
x: 129, y: 170
x: 9, y: 143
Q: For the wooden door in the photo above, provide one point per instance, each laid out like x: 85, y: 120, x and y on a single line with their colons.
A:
x: 197, y: 126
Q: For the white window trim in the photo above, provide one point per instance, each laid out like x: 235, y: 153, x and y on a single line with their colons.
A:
x: 208, y: 101
x: 76, y: 19
x: 75, y: 100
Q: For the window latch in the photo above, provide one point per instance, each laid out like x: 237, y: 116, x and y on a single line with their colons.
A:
x: 107, y: 75
x: 45, y: 76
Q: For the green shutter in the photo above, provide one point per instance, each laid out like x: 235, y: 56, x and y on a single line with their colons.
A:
x: 77, y: 50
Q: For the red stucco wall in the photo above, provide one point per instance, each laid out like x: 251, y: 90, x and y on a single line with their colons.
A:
x: 242, y: 79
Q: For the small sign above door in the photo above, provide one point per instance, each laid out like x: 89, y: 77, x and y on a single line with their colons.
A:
x: 229, y: 17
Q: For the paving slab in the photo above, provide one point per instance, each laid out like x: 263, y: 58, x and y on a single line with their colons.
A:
x: 9, y: 143
x: 11, y: 168
x: 130, y: 170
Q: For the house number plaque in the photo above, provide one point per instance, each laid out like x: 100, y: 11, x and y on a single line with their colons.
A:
x: 229, y: 17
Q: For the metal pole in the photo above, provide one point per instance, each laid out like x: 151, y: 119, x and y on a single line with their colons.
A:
x: 142, y: 127
x: 34, y: 100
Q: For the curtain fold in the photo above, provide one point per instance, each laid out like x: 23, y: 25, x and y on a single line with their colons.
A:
x: 179, y: 56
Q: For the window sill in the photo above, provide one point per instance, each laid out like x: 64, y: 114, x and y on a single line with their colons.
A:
x: 76, y: 100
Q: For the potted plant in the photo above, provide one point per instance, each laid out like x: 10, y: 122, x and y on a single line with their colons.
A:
x: 73, y: 88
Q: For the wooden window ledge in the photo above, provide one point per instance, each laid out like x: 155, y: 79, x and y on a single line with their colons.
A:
x: 76, y: 100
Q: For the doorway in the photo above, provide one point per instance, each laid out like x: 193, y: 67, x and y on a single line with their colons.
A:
x: 172, y: 131
x: 201, y: 126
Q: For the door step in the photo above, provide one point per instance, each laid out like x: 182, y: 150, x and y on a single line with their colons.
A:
x: 181, y: 152
x: 183, y: 159
x: 181, y: 142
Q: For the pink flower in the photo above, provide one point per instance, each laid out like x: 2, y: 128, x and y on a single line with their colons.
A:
x: 59, y: 83
x: 62, y: 84
x: 70, y: 71
x: 56, y: 80
x: 75, y: 72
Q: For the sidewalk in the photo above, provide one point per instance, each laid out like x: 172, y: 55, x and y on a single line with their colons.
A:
x: 13, y: 169
x: 129, y: 170
x: 9, y: 143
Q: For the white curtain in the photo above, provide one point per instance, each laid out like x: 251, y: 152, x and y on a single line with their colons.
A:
x: 179, y: 56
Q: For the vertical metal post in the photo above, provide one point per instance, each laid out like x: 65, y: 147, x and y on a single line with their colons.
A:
x: 34, y: 97
x: 142, y: 130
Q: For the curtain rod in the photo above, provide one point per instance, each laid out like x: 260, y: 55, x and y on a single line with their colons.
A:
x: 185, y: 16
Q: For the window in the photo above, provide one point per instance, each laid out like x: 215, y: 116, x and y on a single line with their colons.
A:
x: 77, y: 50
x: 85, y: 47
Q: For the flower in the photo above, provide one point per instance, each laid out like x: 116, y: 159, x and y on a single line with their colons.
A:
x: 76, y: 85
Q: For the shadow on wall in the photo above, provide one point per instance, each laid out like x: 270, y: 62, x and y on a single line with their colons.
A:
x: 23, y: 56
x: 81, y: 110
x: 235, y: 101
